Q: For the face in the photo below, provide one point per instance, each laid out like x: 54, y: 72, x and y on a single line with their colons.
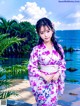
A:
x: 45, y: 33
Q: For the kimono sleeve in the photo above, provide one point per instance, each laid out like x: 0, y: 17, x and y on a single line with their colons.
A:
x: 33, y: 63
x: 62, y: 69
x: 62, y: 63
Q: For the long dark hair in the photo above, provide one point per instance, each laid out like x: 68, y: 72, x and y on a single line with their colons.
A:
x: 48, y: 23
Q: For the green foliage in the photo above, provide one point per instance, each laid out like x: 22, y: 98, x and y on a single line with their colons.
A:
x: 6, y: 42
x: 11, y: 72
x: 32, y: 38
x: 16, y: 71
x: 6, y: 94
x: 5, y: 83
x: 20, y: 30
x: 15, y: 38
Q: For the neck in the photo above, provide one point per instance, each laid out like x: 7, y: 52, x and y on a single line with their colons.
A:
x: 49, y: 46
x: 48, y: 43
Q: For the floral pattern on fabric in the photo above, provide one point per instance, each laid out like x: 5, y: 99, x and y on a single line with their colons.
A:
x: 46, y: 93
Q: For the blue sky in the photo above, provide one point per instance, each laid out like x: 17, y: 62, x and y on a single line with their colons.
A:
x: 64, y: 15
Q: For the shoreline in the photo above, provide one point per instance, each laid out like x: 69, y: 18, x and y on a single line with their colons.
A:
x: 71, y: 96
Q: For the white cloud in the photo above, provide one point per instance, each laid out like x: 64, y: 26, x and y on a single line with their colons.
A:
x: 74, y: 15
x: 70, y: 26
x: 18, y: 17
x: 77, y: 15
x: 56, y: 24
x: 31, y: 12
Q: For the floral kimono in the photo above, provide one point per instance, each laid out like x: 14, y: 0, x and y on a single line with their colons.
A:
x: 46, y: 93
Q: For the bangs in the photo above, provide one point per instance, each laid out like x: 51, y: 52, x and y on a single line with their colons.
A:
x: 43, y: 22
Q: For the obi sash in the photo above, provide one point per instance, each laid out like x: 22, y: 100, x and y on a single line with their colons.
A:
x: 49, y: 68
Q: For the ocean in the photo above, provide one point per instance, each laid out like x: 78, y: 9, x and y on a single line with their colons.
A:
x: 71, y: 38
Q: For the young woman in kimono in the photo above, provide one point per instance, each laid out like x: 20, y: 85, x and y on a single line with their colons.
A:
x: 46, y: 66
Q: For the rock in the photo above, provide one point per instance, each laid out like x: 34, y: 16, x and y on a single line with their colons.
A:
x: 72, y: 69
x: 73, y: 94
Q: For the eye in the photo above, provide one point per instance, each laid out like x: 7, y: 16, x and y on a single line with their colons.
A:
x: 41, y: 32
x: 48, y: 31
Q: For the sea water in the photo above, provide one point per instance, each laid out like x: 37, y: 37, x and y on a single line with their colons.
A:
x: 71, y: 38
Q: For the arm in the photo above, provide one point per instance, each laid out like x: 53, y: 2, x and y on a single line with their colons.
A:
x: 62, y: 69
x: 62, y: 64
x: 33, y: 63
x: 33, y: 66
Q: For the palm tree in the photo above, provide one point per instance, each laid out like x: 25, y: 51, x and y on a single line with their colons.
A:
x: 6, y: 42
x: 28, y: 31
x: 11, y: 27
x: 12, y: 35
x: 6, y: 26
x: 3, y: 25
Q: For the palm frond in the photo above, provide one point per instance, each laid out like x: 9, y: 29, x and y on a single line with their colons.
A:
x: 6, y: 94
x: 2, y: 36
x: 5, y: 83
x: 7, y: 42
x: 17, y: 71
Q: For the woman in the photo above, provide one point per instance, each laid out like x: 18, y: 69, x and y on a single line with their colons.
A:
x: 46, y: 66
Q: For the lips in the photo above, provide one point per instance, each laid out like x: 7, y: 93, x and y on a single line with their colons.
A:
x: 46, y: 38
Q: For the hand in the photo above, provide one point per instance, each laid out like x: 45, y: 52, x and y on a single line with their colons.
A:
x: 56, y: 76
x: 48, y: 78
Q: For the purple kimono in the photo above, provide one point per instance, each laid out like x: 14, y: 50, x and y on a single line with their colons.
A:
x: 46, y: 93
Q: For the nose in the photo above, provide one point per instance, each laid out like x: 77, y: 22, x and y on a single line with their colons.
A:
x: 46, y: 34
